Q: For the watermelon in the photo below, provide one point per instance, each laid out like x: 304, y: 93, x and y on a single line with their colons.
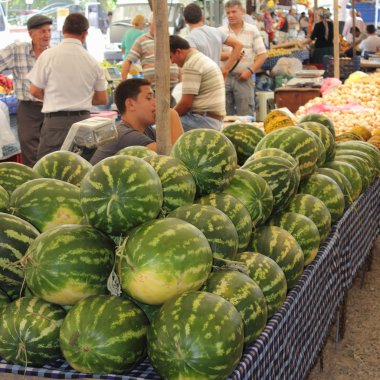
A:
x: 4, y: 199
x: 328, y: 191
x: 363, y: 155
x: 324, y: 134
x: 137, y: 151
x: 47, y: 203
x: 236, y: 211
x: 215, y: 225
x: 104, y: 334
x: 302, y: 229
x: 254, y: 192
x: 120, y: 193
x: 15, y: 237
x: 210, y: 157
x: 273, y: 152
x: 246, y: 296
x: 269, y: 276
x: 66, y: 166
x: 68, y: 263
x: 178, y: 184
x: 29, y: 332
x: 300, y: 144
x: 360, y: 165
x: 245, y: 137
x: 321, y: 151
x: 4, y: 300
x: 314, y: 209
x: 319, y: 118
x: 198, y: 335
x: 13, y: 174
x: 363, y: 147
x: 163, y: 258
x: 149, y: 310
x: 280, y: 245
x: 282, y: 177
x: 341, y: 181
x: 350, y: 173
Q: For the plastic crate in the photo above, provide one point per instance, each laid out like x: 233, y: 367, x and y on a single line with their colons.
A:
x: 346, y: 66
x: 11, y: 103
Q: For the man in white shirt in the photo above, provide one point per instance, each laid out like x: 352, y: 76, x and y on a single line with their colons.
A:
x: 209, y: 40
x: 342, y: 14
x: 372, y: 43
x: 69, y: 81
x: 359, y: 23
x: 240, y: 84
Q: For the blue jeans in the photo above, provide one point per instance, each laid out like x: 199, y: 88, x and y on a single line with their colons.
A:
x: 194, y: 121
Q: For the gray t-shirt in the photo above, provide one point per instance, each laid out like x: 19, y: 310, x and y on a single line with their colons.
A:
x: 208, y: 40
x: 127, y: 136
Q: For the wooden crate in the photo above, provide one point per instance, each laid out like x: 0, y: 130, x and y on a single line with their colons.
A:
x: 293, y: 98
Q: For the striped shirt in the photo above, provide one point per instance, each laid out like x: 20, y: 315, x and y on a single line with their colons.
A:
x: 252, y: 42
x: 19, y: 59
x: 202, y: 77
x: 143, y: 50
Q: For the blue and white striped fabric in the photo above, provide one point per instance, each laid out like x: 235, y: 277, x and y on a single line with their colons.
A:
x: 293, y: 337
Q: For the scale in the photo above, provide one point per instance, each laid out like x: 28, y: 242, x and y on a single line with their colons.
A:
x: 113, y: 78
x: 86, y: 136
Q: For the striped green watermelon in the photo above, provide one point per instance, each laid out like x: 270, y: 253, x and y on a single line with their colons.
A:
x: 282, y: 177
x: 324, y: 134
x: 321, y: 151
x: 4, y: 300
x: 341, y: 181
x: 245, y: 137
x: 210, y: 157
x: 162, y: 259
x: 104, y: 334
x: 314, y: 209
x: 269, y: 276
x: 246, y: 296
x: 360, y: 165
x: 198, y: 335
x: 47, y: 203
x: 273, y: 152
x: 29, y: 332
x: 363, y: 147
x: 178, y: 184
x: 68, y: 263
x: 215, y: 225
x: 350, y: 173
x: 4, y: 199
x: 302, y: 229
x: 282, y: 247
x: 136, y: 151
x: 120, y: 193
x: 254, y: 192
x: 15, y: 237
x: 319, y: 118
x: 363, y: 155
x: 66, y: 166
x: 236, y: 211
x: 13, y: 174
x: 328, y: 191
x: 299, y: 143
x: 149, y: 310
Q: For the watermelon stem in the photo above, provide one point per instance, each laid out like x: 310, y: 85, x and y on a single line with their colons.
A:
x: 232, y: 265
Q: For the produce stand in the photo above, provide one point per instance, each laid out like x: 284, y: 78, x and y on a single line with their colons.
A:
x: 270, y: 62
x: 294, y: 336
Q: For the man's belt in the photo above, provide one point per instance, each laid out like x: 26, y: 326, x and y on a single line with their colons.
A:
x: 66, y: 113
x: 210, y: 114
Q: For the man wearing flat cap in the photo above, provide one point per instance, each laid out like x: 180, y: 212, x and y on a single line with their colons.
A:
x: 19, y: 58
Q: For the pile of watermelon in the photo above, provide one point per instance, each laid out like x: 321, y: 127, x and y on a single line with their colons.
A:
x: 181, y: 259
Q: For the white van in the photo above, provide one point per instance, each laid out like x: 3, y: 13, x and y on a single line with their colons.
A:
x: 5, y: 35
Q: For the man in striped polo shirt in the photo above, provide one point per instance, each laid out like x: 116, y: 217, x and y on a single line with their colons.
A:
x: 202, y: 104
x: 143, y: 50
x: 240, y: 84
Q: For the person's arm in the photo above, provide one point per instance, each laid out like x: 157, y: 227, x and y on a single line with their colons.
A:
x: 259, y: 61
x: 125, y: 69
x: 184, y: 105
x: 99, y: 97
x: 234, y: 54
x: 37, y: 92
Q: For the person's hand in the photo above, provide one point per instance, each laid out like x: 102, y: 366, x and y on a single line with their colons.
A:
x: 245, y: 75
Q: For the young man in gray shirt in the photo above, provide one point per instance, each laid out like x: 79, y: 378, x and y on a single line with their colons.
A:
x: 136, y: 104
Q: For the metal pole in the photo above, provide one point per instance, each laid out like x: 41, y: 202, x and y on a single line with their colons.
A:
x: 336, y: 40
x: 376, y: 13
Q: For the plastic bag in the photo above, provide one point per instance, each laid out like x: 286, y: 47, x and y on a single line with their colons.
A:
x: 329, y: 84
x: 287, y: 67
x: 6, y: 135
